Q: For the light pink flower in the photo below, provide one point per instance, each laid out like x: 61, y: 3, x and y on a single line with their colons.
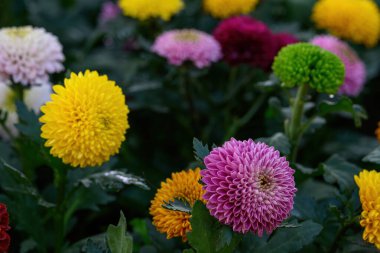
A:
x: 355, y: 69
x: 249, y: 186
x: 28, y: 55
x: 179, y: 46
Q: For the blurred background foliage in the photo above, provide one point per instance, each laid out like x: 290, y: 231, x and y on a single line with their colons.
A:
x: 162, y: 129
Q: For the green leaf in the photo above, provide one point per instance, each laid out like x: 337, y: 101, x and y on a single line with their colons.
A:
x: 208, y: 235
x: 279, y: 141
x: 188, y: 251
x: 292, y: 239
x: 93, y: 247
x: 343, y: 105
x: 200, y: 150
x: 114, y: 180
x: 177, y: 205
x: 14, y: 181
x: 117, y: 238
x: 29, y: 124
x: 373, y: 157
x: 337, y: 170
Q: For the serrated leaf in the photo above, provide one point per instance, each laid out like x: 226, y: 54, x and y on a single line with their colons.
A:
x: 279, y: 141
x: 208, y: 235
x: 200, y: 150
x: 337, y: 170
x: 15, y: 181
x: 344, y: 105
x: 114, y: 180
x: 29, y: 124
x: 292, y: 239
x: 178, y: 205
x: 373, y: 157
x: 117, y: 238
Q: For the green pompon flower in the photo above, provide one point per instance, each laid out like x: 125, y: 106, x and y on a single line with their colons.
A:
x: 303, y: 63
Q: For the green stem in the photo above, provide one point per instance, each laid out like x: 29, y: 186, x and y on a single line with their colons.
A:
x: 294, y: 128
x: 334, y: 247
x: 18, y: 90
x: 60, y: 212
x: 238, y: 123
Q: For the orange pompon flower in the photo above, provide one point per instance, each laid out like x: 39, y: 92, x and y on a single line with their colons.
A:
x: 182, y: 186
x: 369, y: 192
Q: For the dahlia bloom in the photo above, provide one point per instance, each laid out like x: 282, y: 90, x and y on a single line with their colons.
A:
x: 86, y: 119
x: 227, y: 8
x: 369, y: 192
x: 246, y: 40
x: 4, y: 227
x: 355, y: 20
x: 182, y: 185
x: 145, y: 9
x: 304, y: 63
x: 34, y: 97
x: 109, y: 11
x: 28, y: 55
x: 355, y: 68
x: 249, y: 186
x: 178, y: 46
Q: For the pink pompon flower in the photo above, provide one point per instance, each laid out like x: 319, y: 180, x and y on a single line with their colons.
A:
x: 109, y: 11
x: 249, y: 186
x: 245, y: 40
x: 179, y: 46
x: 355, y: 69
x: 28, y: 55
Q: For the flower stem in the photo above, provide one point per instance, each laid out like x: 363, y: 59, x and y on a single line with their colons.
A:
x: 61, y: 178
x: 186, y: 87
x: 294, y: 129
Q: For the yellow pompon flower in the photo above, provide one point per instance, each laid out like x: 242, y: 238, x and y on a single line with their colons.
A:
x: 369, y: 192
x: 355, y: 20
x: 86, y: 119
x: 377, y: 132
x: 227, y: 8
x: 184, y: 186
x: 145, y: 9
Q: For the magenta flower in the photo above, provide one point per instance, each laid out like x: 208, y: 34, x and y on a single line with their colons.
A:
x: 355, y: 69
x: 109, y: 11
x: 246, y: 40
x: 178, y: 46
x: 249, y: 186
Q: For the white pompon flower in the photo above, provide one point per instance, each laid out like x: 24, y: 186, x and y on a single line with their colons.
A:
x: 28, y: 55
x: 34, y: 98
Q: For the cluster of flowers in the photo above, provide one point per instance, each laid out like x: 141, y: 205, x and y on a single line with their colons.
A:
x: 4, y: 227
x: 27, y: 57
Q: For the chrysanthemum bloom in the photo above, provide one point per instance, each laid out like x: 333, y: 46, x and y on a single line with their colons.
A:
x: 4, y: 227
x: 183, y: 186
x: 246, y: 40
x: 355, y: 20
x: 179, y: 46
x: 355, y: 68
x: 85, y: 121
x: 28, y: 55
x: 228, y: 8
x: 109, y: 11
x: 304, y: 63
x: 145, y: 9
x: 34, y: 97
x: 249, y: 186
x: 369, y: 192
x: 284, y: 39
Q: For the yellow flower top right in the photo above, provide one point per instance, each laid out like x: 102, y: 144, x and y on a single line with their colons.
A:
x: 369, y: 193
x: 354, y: 20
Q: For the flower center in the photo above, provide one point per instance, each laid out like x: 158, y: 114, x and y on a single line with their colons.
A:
x: 265, y: 182
x: 18, y: 32
x: 187, y: 35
